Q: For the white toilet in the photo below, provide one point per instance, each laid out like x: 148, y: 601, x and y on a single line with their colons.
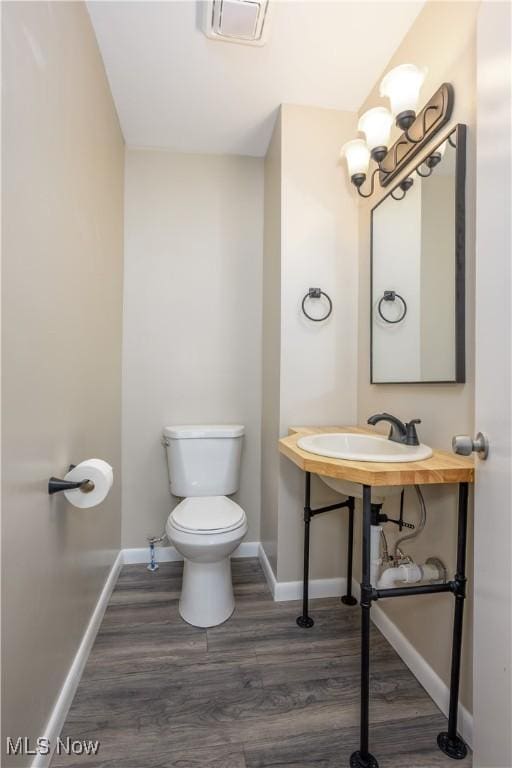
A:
x: 206, y: 527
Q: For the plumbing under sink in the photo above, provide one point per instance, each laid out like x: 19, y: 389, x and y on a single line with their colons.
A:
x: 356, y: 447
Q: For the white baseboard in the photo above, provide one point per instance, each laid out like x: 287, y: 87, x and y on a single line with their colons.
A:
x: 267, y: 570
x: 292, y: 590
x: 438, y: 691
x: 247, y: 549
x: 61, y: 707
x: 139, y: 555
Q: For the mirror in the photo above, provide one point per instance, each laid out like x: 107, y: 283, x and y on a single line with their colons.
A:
x: 417, y: 272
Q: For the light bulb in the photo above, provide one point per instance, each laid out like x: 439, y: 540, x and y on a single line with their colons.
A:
x: 357, y: 155
x: 402, y: 87
x: 376, y: 125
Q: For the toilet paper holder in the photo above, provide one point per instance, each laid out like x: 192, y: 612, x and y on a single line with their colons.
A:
x: 55, y: 484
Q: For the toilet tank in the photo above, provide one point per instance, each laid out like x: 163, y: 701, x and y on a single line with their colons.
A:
x: 204, y: 460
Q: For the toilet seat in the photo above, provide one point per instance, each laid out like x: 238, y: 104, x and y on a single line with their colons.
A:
x: 207, y: 515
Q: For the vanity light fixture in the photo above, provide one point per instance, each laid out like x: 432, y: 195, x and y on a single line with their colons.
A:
x: 401, y: 86
x: 376, y: 125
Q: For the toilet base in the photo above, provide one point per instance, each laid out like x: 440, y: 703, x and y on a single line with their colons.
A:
x: 206, y: 593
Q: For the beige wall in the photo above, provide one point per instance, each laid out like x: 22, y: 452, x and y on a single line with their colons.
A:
x: 271, y: 347
x: 62, y: 195
x: 192, y: 320
x: 443, y: 39
x: 317, y: 361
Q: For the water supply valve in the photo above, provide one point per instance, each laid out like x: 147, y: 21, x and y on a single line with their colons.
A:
x: 152, y: 540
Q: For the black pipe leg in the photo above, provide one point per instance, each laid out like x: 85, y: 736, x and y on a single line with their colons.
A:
x: 363, y: 758
x: 449, y: 741
x: 305, y: 619
x: 348, y: 598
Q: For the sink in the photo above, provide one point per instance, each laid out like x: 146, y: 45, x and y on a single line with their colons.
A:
x: 356, y: 447
x: 347, y: 488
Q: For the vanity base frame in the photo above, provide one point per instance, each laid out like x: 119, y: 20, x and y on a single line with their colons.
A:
x: 454, y: 748
x: 357, y: 760
x: 304, y: 620
x: 448, y: 741
x: 441, y: 468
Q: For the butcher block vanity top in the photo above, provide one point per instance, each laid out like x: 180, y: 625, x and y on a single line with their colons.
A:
x: 442, y: 467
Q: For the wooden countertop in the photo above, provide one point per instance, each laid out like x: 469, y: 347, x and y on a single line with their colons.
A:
x: 442, y: 467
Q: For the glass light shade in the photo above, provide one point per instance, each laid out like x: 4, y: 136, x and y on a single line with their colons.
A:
x: 376, y: 125
x: 357, y: 155
x: 402, y: 87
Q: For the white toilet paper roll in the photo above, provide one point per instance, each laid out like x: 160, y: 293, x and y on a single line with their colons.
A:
x: 101, y: 476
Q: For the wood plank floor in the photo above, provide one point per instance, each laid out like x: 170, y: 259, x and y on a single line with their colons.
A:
x: 255, y: 692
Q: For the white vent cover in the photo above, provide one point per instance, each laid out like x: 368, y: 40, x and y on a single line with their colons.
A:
x: 236, y: 21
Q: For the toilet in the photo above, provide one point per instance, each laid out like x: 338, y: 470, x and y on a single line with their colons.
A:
x: 206, y: 526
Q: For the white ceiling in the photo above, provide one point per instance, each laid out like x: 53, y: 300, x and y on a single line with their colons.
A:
x: 176, y: 89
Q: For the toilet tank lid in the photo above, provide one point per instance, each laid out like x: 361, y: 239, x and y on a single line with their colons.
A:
x: 190, y: 431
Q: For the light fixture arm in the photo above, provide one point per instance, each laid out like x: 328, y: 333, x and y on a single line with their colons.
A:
x: 424, y: 124
x: 359, y: 179
x: 358, y: 182
x: 394, y: 196
x: 404, y: 186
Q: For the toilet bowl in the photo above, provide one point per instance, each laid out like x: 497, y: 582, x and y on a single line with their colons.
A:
x: 206, y: 531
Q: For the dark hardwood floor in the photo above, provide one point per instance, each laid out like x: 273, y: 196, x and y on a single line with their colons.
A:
x: 255, y: 692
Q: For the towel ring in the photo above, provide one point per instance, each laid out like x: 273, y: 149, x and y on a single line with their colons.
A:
x: 316, y: 293
x: 392, y: 296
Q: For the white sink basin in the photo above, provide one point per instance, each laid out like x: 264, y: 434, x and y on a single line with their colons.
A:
x: 355, y: 447
x: 347, y: 488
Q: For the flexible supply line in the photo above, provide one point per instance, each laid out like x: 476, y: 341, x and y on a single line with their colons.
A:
x: 421, y: 524
x: 152, y: 540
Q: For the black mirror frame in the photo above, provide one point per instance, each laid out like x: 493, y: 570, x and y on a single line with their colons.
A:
x: 460, y: 258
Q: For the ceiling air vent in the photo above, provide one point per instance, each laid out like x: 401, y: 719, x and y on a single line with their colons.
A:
x: 236, y: 21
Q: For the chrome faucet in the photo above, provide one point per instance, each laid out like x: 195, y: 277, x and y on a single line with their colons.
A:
x: 399, y: 432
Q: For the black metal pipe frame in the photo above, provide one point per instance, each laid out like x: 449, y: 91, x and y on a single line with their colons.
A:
x: 448, y: 741
x: 348, y: 598
x: 305, y: 620
x: 362, y: 758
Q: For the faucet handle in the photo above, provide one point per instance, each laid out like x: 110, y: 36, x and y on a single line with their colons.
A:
x: 411, y: 437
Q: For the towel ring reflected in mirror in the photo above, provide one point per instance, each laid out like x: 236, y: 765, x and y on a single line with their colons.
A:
x: 392, y: 296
